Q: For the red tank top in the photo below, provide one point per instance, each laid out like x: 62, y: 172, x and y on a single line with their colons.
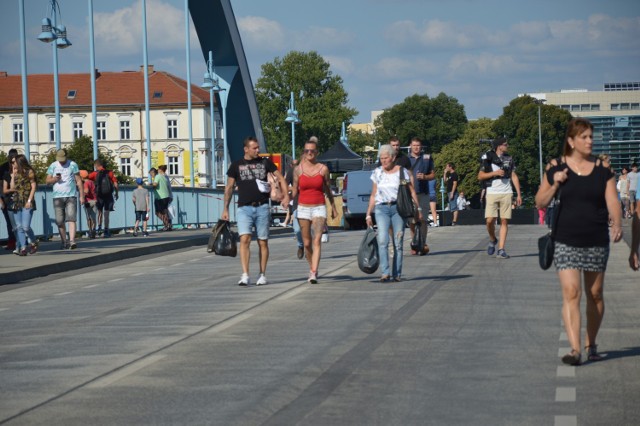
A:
x: 311, y: 191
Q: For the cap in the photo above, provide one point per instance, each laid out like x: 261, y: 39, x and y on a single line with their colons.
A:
x: 61, y: 155
x: 497, y: 142
x: 139, y: 181
x: 84, y: 174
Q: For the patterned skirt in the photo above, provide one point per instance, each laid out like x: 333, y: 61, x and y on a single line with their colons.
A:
x: 593, y: 259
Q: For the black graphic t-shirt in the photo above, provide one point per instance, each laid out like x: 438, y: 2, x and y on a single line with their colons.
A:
x: 245, y: 173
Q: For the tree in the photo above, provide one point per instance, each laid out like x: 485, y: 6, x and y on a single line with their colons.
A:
x: 80, y: 151
x: 359, y: 141
x: 319, y: 97
x: 519, y: 124
x: 465, y: 154
x: 437, y: 121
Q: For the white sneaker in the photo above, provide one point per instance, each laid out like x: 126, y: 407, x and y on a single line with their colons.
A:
x: 262, y: 280
x: 313, y: 279
x: 244, y: 280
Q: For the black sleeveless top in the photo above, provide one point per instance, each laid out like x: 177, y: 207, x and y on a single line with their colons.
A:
x: 584, y: 218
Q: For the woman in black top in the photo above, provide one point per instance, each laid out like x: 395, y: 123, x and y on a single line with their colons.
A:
x: 588, y: 198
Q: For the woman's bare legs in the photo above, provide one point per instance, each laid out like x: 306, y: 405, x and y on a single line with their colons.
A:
x: 571, y: 293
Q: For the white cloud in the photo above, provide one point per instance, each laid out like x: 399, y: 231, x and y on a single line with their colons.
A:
x: 324, y: 38
x: 485, y: 63
x: 340, y: 65
x: 261, y: 33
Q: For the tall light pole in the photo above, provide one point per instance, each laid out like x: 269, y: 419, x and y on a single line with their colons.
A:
x: 292, y: 117
x: 52, y: 32
x: 25, y: 90
x: 189, y: 112
x: 92, y: 73
x: 540, y: 102
x: 145, y: 61
x: 211, y: 83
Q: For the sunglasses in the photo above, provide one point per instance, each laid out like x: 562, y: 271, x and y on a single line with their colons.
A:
x: 310, y: 151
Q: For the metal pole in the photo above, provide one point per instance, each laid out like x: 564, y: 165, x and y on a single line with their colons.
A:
x: 189, y: 114
x: 223, y: 100
x: 25, y: 93
x: 56, y: 97
x: 145, y: 58
x: 540, y: 141
x: 92, y: 71
x: 214, y: 165
x: 293, y: 129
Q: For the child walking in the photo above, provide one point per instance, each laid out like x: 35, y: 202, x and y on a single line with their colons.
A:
x: 140, y: 199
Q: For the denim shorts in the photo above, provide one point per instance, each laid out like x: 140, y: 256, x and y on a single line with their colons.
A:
x: 65, y: 210
x: 309, y: 212
x: 249, y: 216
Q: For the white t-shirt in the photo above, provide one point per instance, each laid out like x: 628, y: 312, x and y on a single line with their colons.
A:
x: 388, y: 184
x: 67, y: 185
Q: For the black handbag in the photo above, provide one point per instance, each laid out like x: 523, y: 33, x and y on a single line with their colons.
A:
x: 546, y: 243
x: 404, y: 203
x: 368, y: 255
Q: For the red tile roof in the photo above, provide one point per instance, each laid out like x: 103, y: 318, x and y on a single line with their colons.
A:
x: 112, y: 88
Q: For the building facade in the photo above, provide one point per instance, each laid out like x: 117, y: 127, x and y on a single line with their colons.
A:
x: 121, y: 121
x: 615, y: 114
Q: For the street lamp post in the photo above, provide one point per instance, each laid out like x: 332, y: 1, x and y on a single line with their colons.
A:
x: 540, y: 102
x: 211, y: 83
x: 51, y: 32
x: 25, y: 90
x: 343, y: 136
x: 292, y: 117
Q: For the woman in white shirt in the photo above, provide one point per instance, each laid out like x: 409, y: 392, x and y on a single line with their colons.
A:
x: 386, y: 182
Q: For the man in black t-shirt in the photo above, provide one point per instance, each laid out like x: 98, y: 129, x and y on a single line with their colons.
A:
x: 451, y: 181
x: 250, y: 175
x: 401, y: 159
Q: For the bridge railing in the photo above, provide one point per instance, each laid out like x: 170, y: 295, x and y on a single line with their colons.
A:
x: 195, y: 207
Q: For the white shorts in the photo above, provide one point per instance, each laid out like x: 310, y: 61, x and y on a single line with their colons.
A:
x: 309, y: 213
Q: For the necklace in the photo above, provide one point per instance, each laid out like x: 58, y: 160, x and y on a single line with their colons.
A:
x: 578, y: 168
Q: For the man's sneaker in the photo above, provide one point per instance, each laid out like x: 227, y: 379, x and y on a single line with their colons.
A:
x: 502, y: 254
x: 107, y: 234
x: 145, y: 234
x: 313, y: 279
x: 491, y: 248
x: 135, y: 232
x: 244, y: 280
x: 300, y: 252
x: 73, y: 245
x: 262, y: 280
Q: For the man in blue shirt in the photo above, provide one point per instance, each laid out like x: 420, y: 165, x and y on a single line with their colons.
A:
x: 423, y: 171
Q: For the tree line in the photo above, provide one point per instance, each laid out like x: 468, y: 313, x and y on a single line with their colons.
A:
x: 440, y: 122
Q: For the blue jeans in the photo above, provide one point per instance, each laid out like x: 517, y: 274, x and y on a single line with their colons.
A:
x: 296, y: 228
x: 249, y: 216
x: 23, y: 229
x: 387, y: 218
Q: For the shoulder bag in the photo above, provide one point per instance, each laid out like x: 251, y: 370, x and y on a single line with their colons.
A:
x: 546, y: 243
x: 405, y: 206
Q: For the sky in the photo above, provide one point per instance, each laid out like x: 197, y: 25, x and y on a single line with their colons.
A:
x: 481, y: 52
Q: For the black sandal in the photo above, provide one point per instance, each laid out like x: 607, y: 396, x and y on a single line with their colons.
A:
x: 572, y: 358
x: 385, y: 279
x: 592, y: 353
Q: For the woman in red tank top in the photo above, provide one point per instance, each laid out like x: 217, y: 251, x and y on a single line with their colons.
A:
x: 311, y: 185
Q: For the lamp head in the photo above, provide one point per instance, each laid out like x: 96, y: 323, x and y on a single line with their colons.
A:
x: 62, y: 42
x: 208, y: 83
x: 46, y: 36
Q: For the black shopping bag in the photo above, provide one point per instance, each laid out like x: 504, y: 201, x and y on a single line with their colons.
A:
x: 368, y: 257
x: 226, y: 242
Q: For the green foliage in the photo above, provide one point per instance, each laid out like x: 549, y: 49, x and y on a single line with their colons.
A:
x: 519, y: 124
x: 359, y: 141
x: 465, y: 153
x: 322, y: 107
x: 437, y: 121
x: 80, y: 151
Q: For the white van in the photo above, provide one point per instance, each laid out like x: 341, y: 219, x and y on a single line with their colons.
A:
x: 356, y: 191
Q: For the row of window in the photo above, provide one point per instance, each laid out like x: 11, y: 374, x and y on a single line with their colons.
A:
x: 78, y: 130
x: 596, y: 107
x: 625, y: 106
x: 173, y: 166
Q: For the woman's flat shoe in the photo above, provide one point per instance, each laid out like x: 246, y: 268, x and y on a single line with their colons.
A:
x: 572, y: 358
x: 397, y: 279
x: 385, y: 279
x: 592, y: 353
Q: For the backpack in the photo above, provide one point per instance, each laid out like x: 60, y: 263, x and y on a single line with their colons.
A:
x: 104, y: 186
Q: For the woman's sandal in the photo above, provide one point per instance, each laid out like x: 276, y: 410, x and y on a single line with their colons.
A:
x: 572, y: 358
x: 385, y: 279
x: 592, y: 353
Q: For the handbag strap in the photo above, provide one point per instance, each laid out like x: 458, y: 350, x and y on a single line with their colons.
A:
x: 556, y: 214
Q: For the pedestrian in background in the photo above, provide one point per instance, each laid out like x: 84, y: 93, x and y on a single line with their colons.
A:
x: 140, y: 199
x: 384, y: 195
x: 310, y: 187
x: 634, y: 257
x: 423, y: 173
x: 499, y: 171
x: 250, y: 174
x: 21, y: 191
x: 64, y: 175
x: 588, y: 198
x: 90, y: 199
x: 293, y: 205
x: 5, y: 172
x: 623, y: 192
x: 161, y: 196
x: 633, y: 188
x: 451, y: 182
x: 106, y: 193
